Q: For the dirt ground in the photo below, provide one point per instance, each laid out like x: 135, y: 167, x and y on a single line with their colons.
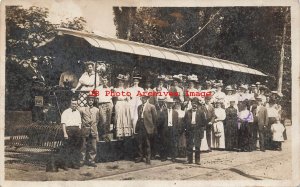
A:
x: 216, y: 165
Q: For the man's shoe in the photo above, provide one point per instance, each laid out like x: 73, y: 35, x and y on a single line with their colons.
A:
x: 197, y: 162
x: 173, y: 160
x: 138, y: 160
x: 163, y: 159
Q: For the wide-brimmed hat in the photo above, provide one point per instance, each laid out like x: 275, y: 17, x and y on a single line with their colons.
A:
x: 243, y: 86
x: 263, y: 87
x: 218, y: 84
x: 253, y: 86
x: 218, y: 101
x: 182, y: 76
x: 192, y: 78
x: 208, y: 82
x: 168, y: 78
x: 177, y: 78
x: 89, y: 63
x: 277, y: 93
x: 229, y: 88
x: 122, y: 77
x: 161, y: 77
x: 137, y: 76
x: 257, y: 83
x: 252, y: 98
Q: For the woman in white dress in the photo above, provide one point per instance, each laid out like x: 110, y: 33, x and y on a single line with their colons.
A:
x: 218, y: 138
x: 135, y: 100
x: 123, y: 121
x: 230, y: 97
x: 191, y: 90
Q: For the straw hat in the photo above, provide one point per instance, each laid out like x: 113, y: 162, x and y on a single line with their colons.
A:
x: 177, y: 78
x: 137, y: 76
x: 192, y: 78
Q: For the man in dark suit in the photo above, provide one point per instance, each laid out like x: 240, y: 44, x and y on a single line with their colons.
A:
x: 145, y: 128
x: 261, y: 120
x: 169, y: 125
x: 195, y: 121
x: 210, y: 118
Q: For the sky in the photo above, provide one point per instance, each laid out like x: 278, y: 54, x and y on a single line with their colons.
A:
x: 98, y: 13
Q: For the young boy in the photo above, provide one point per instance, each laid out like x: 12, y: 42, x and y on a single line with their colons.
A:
x: 277, y: 130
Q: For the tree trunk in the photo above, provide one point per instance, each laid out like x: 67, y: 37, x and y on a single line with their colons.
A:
x: 280, y: 69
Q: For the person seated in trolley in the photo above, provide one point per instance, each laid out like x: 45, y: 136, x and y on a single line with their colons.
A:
x: 88, y: 79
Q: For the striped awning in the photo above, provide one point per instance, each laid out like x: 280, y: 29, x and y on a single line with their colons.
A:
x: 109, y: 43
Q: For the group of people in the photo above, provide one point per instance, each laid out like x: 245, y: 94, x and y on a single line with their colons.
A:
x: 173, y: 125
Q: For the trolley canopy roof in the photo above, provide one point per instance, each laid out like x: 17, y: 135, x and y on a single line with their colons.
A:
x: 109, y: 43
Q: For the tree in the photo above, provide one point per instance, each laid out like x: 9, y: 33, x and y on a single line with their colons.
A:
x: 27, y: 30
x: 247, y: 35
x: 123, y: 20
x: 77, y: 23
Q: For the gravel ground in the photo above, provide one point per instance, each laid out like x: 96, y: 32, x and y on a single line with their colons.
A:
x: 216, y: 165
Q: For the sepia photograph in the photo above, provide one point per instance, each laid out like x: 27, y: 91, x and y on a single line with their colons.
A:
x: 99, y: 91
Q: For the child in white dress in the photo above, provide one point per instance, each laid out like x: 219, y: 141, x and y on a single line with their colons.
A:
x: 277, y: 130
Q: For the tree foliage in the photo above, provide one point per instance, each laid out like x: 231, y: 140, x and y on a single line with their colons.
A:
x: 247, y: 35
x: 77, y: 23
x: 26, y: 30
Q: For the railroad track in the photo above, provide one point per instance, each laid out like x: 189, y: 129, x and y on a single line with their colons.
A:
x: 234, y: 166
x: 158, y: 166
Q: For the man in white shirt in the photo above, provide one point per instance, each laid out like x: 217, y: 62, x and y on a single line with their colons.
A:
x: 194, y: 121
x: 169, y: 124
x: 71, y: 124
x: 105, y: 106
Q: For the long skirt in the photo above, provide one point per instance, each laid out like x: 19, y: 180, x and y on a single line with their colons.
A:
x: 231, y: 135
x: 123, y: 121
x: 204, y: 145
x: 244, y: 137
x: 134, y: 103
x: 218, y: 136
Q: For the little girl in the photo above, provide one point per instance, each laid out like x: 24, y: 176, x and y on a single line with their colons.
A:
x: 277, y: 130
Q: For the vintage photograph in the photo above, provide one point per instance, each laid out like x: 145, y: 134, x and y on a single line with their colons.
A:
x: 99, y: 92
